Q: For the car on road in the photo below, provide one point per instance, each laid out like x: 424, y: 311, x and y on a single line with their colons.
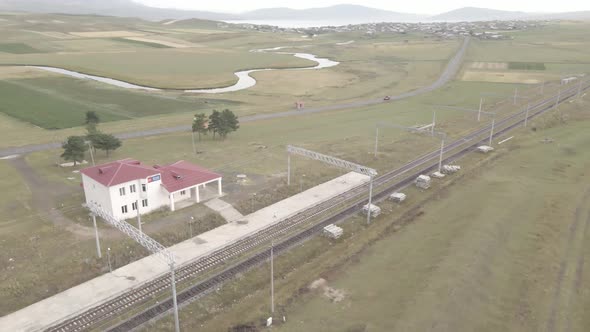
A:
x: 386, y: 98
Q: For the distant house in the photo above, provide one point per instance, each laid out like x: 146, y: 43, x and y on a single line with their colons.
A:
x: 124, y: 187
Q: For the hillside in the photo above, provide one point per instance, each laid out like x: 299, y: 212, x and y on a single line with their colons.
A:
x: 125, y: 8
x: 471, y: 14
x: 341, y: 12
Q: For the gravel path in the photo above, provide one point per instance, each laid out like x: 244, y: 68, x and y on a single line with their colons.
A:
x: 448, y: 74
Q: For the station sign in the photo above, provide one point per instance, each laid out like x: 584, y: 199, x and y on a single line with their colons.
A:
x: 153, y: 178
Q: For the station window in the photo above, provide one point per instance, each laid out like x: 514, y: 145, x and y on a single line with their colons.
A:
x: 124, y: 208
x: 122, y: 191
x: 144, y: 202
x: 134, y: 206
x: 132, y: 188
x: 143, y: 187
x: 182, y: 193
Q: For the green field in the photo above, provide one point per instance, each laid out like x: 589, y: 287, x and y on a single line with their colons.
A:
x: 137, y: 42
x: 526, y: 65
x: 17, y: 48
x: 58, y: 102
x: 468, y: 265
x: 50, y: 241
x: 456, y: 261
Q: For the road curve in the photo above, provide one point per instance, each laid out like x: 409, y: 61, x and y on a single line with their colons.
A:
x: 448, y: 74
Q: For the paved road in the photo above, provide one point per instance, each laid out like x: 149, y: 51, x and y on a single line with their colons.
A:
x: 448, y: 74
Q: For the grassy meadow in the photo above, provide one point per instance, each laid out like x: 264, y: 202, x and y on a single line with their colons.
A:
x: 447, y: 258
x: 49, y: 252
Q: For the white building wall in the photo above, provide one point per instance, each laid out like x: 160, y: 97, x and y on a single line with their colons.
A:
x: 96, y: 193
x: 153, y: 194
x: 178, y: 197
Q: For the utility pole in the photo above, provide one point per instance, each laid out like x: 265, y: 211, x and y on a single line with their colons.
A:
x: 90, y: 147
x: 579, y: 89
x: 370, y: 199
x: 480, y: 109
x: 558, y: 98
x: 174, y: 301
x: 433, y: 122
x: 272, y: 279
x: 190, y: 225
x: 144, y: 240
x: 96, y: 233
x: 515, y: 94
x: 109, y: 259
x: 526, y: 116
x: 138, y: 216
x: 440, y: 159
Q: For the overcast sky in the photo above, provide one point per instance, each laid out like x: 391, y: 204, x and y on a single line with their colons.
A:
x: 416, y: 6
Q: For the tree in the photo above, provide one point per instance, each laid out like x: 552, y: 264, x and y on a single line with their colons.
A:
x: 106, y: 142
x: 92, y: 120
x: 229, y: 123
x: 200, y: 124
x: 74, y: 149
x: 215, y: 124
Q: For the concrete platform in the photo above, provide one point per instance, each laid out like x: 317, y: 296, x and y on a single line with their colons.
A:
x: 226, y: 210
x: 80, y: 298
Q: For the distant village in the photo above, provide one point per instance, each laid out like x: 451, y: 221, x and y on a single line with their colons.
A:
x: 494, y: 30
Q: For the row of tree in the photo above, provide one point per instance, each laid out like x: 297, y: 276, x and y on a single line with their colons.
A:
x: 218, y: 123
x: 75, y: 147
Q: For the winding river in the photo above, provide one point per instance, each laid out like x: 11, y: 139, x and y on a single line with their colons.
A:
x: 245, y: 80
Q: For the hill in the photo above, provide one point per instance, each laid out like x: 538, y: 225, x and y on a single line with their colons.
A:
x: 125, y: 8
x: 341, y: 12
x: 470, y: 14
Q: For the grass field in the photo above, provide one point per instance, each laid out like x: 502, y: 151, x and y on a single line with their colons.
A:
x: 191, y: 68
x: 549, y: 51
x: 56, y: 102
x: 468, y: 265
x: 50, y: 257
x: 526, y: 65
x: 140, y: 42
x: 17, y: 48
x: 457, y: 262
x: 347, y: 134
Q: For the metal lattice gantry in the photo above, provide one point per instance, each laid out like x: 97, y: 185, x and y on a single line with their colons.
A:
x: 333, y: 161
x: 340, y: 163
x: 145, y: 241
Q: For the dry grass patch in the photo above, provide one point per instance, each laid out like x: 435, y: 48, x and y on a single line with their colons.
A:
x: 489, y: 65
x: 22, y: 72
x: 505, y: 77
x: 173, y: 44
x: 107, y: 34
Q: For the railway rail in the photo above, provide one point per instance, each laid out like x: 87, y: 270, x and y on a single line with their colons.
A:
x: 335, y: 209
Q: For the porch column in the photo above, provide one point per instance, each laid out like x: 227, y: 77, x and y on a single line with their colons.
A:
x: 219, y: 187
x: 198, y: 197
x: 171, y: 202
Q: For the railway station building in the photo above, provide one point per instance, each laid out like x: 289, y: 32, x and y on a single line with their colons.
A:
x: 125, y: 187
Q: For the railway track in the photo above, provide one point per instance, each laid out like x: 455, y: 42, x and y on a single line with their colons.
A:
x: 334, y: 209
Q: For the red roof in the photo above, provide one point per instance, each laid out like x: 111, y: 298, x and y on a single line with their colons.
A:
x: 182, y: 175
x: 120, y: 171
x: 175, y: 177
